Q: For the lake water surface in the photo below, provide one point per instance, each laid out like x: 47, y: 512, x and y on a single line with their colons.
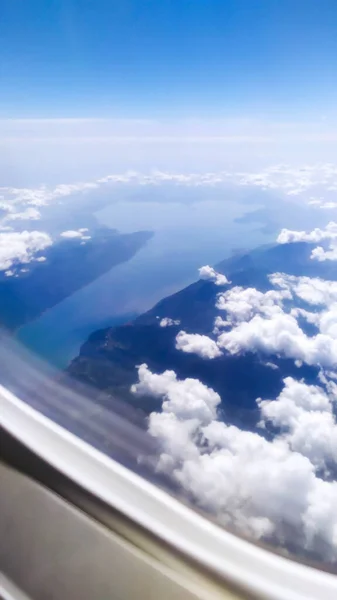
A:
x: 186, y: 236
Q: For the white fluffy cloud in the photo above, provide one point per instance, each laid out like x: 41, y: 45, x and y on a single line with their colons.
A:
x: 320, y: 293
x: 210, y: 274
x: 281, y: 488
x: 194, y: 343
x: 263, y: 488
x: 76, y: 233
x: 167, y: 322
x: 220, y: 324
x: 312, y: 290
x: 317, y: 235
x: 21, y: 247
x: 260, y: 322
x: 71, y: 234
x: 242, y: 304
x: 187, y: 399
x: 305, y: 415
x: 280, y: 334
x: 319, y: 253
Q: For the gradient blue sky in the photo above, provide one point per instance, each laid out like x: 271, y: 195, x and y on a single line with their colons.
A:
x: 168, y: 58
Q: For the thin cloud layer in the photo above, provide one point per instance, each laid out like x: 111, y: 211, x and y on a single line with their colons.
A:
x: 28, y: 214
x: 286, y: 179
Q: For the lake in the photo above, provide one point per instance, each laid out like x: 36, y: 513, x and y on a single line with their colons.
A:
x: 186, y: 236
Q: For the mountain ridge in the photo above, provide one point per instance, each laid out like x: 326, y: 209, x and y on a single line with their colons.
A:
x: 108, y: 359
x: 68, y: 266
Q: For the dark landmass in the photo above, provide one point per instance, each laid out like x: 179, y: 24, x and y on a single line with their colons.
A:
x: 263, y: 216
x: 109, y: 358
x: 260, y: 215
x: 70, y: 265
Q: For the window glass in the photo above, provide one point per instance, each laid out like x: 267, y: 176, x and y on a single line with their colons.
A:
x: 168, y: 247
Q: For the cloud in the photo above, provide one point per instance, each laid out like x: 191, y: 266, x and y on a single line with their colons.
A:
x: 315, y: 201
x: 187, y: 399
x: 304, y: 413
x: 21, y: 247
x: 167, y: 322
x: 310, y: 317
x: 261, y: 325
x: 194, y: 343
x: 294, y: 181
x: 321, y: 254
x: 21, y: 203
x: 283, y: 178
x: 242, y: 304
x: 313, y: 290
x: 328, y: 205
x: 72, y: 234
x: 320, y: 293
x: 28, y: 214
x: 316, y: 235
x: 277, y: 485
x: 261, y: 322
x: 220, y: 324
x: 280, y: 334
x: 328, y: 234
x: 271, y: 365
x: 268, y: 489
x: 210, y: 274
x: 321, y: 203
x: 43, y: 195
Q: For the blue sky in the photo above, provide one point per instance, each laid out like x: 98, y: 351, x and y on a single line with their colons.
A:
x: 168, y: 58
